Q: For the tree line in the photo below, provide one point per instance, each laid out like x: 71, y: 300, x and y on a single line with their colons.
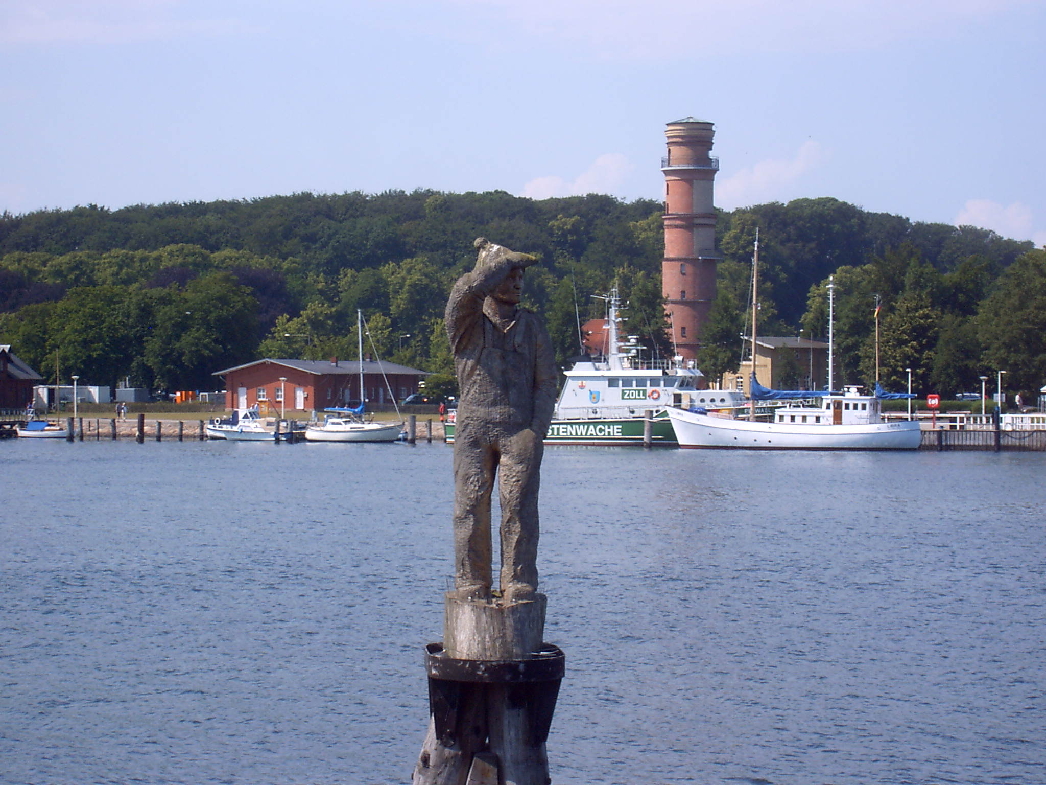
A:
x: 165, y: 295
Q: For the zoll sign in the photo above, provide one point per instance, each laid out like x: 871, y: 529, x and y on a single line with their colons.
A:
x: 933, y: 401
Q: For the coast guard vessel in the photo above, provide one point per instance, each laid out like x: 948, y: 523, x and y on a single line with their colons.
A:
x: 604, y: 399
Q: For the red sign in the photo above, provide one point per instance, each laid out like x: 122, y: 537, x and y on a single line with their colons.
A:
x: 933, y: 401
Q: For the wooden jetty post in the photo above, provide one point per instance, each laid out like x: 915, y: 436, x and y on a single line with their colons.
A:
x: 648, y: 427
x: 181, y: 430
x: 203, y: 431
x: 412, y: 429
x: 112, y: 428
x: 493, y: 686
x: 139, y: 434
x: 158, y: 427
x: 428, y: 431
x: 70, y: 429
x: 81, y: 424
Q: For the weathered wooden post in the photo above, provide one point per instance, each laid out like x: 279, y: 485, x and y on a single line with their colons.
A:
x: 181, y: 429
x: 648, y: 427
x: 412, y: 429
x: 81, y: 423
x: 276, y: 432
x: 112, y: 428
x: 139, y: 434
x: 70, y: 429
x: 203, y: 431
x: 428, y: 431
x: 493, y: 681
x: 158, y: 426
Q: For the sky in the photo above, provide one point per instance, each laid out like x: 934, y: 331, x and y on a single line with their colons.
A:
x: 930, y: 109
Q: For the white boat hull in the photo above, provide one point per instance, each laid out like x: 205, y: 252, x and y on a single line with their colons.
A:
x: 694, y: 430
x: 354, y: 432
x: 235, y: 434
x: 52, y: 432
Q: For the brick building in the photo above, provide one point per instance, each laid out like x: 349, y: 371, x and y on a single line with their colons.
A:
x: 16, y: 381
x: 314, y: 385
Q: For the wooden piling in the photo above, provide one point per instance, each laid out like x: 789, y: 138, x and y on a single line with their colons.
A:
x: 139, y: 434
x: 412, y: 430
x: 158, y: 427
x: 648, y: 427
x: 81, y: 424
x: 203, y: 431
x: 70, y: 429
x: 181, y: 430
x: 492, y: 691
x: 112, y: 428
x: 428, y: 431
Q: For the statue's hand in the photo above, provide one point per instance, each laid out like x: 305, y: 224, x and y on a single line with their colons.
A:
x: 526, y: 442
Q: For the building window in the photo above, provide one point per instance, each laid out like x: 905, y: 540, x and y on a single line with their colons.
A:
x: 682, y: 295
x: 262, y: 395
x: 682, y: 269
x: 279, y: 394
x: 682, y: 332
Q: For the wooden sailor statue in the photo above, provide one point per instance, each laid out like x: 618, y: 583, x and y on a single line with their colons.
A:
x: 493, y: 682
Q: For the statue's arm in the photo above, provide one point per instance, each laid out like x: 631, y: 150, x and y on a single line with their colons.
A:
x: 546, y: 382
x: 465, y: 305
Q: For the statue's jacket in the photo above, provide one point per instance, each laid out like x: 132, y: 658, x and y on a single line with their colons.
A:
x: 506, y: 370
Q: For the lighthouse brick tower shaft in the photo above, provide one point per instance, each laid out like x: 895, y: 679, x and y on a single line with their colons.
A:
x: 688, y: 272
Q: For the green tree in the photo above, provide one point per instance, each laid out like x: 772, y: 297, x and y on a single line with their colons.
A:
x: 1012, y: 323
x: 88, y: 332
x: 207, y: 327
x: 721, y: 340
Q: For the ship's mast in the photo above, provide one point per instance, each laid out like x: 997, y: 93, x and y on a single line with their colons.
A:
x: 755, y: 312
x: 831, y: 332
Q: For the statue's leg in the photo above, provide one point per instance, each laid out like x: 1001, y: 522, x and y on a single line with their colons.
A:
x: 475, y: 464
x: 518, y: 487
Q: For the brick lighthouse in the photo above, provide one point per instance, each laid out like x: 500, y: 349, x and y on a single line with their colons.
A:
x: 688, y: 272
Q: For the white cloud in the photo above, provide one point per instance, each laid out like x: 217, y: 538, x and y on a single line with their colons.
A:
x: 771, y: 180
x: 604, y: 176
x: 1014, y: 221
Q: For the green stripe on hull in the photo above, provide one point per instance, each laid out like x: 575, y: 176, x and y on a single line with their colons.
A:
x: 605, y: 432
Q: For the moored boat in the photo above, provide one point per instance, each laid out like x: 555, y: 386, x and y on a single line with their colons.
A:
x: 839, y: 421
x: 42, y: 429
x: 348, y: 427
x: 245, y: 425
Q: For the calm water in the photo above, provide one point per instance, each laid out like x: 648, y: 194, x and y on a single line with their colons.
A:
x: 253, y: 613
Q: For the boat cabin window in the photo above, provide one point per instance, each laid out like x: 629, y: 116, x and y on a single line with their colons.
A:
x: 817, y: 419
x: 640, y: 383
x: 613, y: 382
x: 864, y: 407
x: 804, y: 418
x: 793, y: 418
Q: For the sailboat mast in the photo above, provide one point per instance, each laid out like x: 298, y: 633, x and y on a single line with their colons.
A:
x: 831, y: 332
x: 755, y: 312
x: 359, y: 330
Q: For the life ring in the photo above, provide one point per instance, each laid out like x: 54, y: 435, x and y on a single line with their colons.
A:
x: 654, y: 394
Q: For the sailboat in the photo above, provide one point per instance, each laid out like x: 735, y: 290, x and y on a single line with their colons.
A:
x: 818, y: 420
x: 347, y: 424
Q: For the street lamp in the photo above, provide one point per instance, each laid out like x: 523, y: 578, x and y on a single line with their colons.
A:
x: 984, y: 381
x: 999, y: 397
x: 75, y: 380
x: 909, y: 392
x: 401, y: 339
x: 283, y: 405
